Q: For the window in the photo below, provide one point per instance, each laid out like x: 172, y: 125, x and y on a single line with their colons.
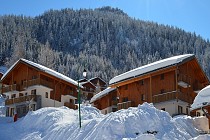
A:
x: 13, y: 95
x: 180, y: 111
x: 198, y: 114
x: 46, y: 94
x: 163, y: 109
x: 26, y: 94
x: 71, y: 101
x: 33, y: 92
x: 20, y: 94
x: 105, y: 111
x: 143, y: 97
x: 114, y: 109
x: 187, y: 111
x: 141, y: 82
x: 76, y: 101
x: 162, y: 77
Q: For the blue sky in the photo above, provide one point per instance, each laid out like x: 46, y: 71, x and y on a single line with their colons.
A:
x: 190, y: 15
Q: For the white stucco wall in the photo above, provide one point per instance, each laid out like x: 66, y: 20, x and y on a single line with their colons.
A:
x: 45, y: 102
x: 108, y: 109
x: 172, y: 106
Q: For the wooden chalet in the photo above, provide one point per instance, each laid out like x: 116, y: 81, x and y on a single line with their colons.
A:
x: 28, y: 85
x: 170, y: 84
x: 92, y: 87
x: 99, y: 83
x: 88, y: 90
x: 106, y: 100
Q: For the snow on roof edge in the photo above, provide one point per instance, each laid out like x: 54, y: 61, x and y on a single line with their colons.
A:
x: 9, y: 69
x: 101, y: 94
x: 45, y: 69
x: 82, y: 83
x: 150, y: 67
x: 95, y: 78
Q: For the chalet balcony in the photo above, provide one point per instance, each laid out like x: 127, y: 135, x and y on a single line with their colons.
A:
x: 9, y: 88
x: 70, y: 105
x: 21, y: 99
x: 172, y: 96
x: 125, y: 105
x: 37, y: 81
x: 164, y: 97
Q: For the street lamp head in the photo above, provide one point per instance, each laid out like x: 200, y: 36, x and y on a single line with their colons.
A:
x: 84, y: 73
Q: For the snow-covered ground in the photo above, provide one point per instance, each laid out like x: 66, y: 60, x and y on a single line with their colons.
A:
x: 2, y: 107
x: 142, y: 122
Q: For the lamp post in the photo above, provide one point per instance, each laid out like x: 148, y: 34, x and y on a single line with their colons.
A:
x: 84, y: 75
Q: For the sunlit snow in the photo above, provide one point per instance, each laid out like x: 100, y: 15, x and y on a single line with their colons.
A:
x: 142, y: 122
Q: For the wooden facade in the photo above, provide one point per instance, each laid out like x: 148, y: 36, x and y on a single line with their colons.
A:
x: 88, y: 90
x: 176, y: 84
x: 23, y: 81
x: 99, y: 83
x: 107, y: 103
x: 92, y: 87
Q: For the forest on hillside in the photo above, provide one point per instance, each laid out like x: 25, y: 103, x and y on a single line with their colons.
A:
x: 105, y: 41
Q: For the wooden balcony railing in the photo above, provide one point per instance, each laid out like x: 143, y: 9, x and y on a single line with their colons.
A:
x: 8, y: 88
x: 164, y: 97
x: 20, y: 99
x: 70, y: 105
x: 125, y: 105
x: 171, y: 96
x: 37, y: 81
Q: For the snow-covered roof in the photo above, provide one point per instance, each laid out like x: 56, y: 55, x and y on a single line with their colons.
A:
x: 45, y: 69
x: 101, y: 94
x: 202, y: 99
x: 96, y: 78
x: 151, y: 67
x: 83, y: 83
x: 83, y: 80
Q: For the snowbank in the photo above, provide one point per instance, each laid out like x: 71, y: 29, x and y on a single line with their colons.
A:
x: 202, y: 99
x: 142, y: 122
x: 202, y: 137
x: 2, y: 106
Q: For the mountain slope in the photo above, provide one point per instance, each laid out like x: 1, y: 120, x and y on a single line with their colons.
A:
x: 105, y: 41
